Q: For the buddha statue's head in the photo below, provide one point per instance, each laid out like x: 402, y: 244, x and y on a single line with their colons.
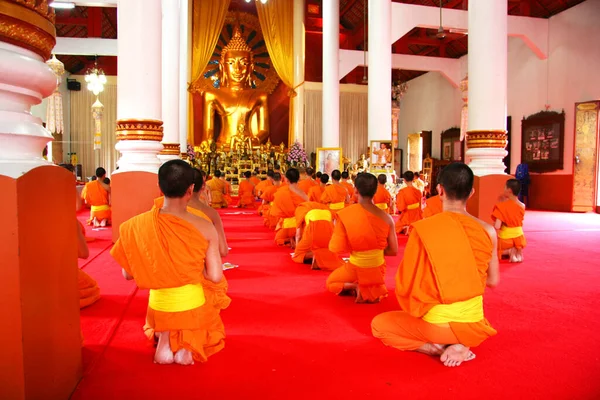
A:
x: 237, y: 63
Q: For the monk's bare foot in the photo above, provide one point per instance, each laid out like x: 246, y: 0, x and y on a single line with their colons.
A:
x: 431, y: 349
x: 163, y: 354
x: 103, y: 222
x: 96, y: 223
x: 456, y: 354
x: 184, y: 357
x: 519, y: 255
x: 361, y: 300
x: 314, y: 265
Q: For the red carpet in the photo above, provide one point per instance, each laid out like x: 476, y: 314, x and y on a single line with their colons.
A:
x: 290, y: 339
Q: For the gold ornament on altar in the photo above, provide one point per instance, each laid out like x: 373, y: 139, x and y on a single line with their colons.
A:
x: 236, y: 84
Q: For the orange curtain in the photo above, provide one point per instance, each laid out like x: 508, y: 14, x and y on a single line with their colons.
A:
x: 277, y: 24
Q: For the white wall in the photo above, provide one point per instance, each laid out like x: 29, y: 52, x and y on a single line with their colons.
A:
x: 570, y: 74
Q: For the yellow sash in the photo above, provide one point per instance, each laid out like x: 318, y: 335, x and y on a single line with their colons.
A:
x: 367, y: 259
x: 104, y: 207
x: 510, y: 233
x: 462, y: 311
x: 289, y: 223
x: 413, y: 206
x: 336, y: 206
x: 177, y: 299
x: 383, y: 206
x: 317, y: 215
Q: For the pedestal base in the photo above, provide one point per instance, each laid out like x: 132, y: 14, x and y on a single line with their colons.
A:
x: 40, y: 335
x: 486, y: 161
x: 488, y: 189
x: 132, y: 193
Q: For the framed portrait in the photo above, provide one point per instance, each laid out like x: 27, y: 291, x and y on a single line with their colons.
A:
x: 329, y: 159
x: 381, y: 155
x: 542, y: 141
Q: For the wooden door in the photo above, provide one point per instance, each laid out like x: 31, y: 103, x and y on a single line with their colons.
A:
x: 585, y: 157
x: 427, y: 144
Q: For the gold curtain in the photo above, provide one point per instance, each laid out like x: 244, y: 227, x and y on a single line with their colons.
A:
x: 277, y: 24
x: 208, y: 18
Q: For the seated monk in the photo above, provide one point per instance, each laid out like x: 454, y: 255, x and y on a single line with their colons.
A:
x: 246, y: 192
x: 218, y: 188
x: 508, y: 218
x: 345, y: 182
x: 306, y: 180
x: 382, y: 198
x: 227, y: 196
x: 448, y: 261
x: 335, y: 195
x: 89, y: 292
x: 96, y: 194
x: 254, y: 178
x: 315, y: 192
x: 314, y: 227
x: 284, y: 205
x: 171, y: 252
x: 418, y: 183
x: 270, y: 221
x: 433, y: 206
x: 367, y: 233
x: 205, y: 196
x: 260, y: 188
x: 408, y: 203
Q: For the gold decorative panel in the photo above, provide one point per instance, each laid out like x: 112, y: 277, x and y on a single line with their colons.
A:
x: 586, y: 156
x: 415, y: 152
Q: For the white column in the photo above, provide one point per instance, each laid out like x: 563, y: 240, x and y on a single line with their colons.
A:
x: 299, y: 71
x: 380, y: 69
x: 170, y: 80
x: 331, y: 80
x: 185, y: 53
x: 139, y: 124
x: 24, y: 81
x: 486, y: 138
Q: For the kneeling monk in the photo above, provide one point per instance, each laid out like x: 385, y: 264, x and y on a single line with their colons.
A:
x: 367, y: 233
x: 285, y: 201
x: 170, y: 251
x: 408, y: 203
x: 96, y: 195
x: 314, y: 228
x: 448, y: 261
x: 508, y: 218
x: 246, y: 192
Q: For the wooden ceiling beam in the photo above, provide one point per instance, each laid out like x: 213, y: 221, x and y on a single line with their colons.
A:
x: 71, y: 21
x: 453, y: 4
x: 347, y: 8
x: 94, y: 22
x: 105, y: 15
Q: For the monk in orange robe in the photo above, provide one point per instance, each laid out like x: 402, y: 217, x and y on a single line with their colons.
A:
x: 89, y: 292
x: 335, y: 195
x: 218, y: 188
x: 306, y: 181
x: 171, y: 252
x: 260, y: 188
x: 205, y: 195
x: 314, y: 228
x: 382, y: 198
x: 433, y: 206
x: 268, y: 197
x: 246, y: 192
x: 448, y: 261
x: 345, y: 182
x: 508, y: 218
x: 408, y: 203
x: 367, y: 233
x: 315, y: 192
x: 96, y: 194
x: 285, y: 202
x: 227, y: 196
x: 254, y: 179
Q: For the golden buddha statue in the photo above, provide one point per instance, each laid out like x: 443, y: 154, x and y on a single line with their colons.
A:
x: 236, y: 102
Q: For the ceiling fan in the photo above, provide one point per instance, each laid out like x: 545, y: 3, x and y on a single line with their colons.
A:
x: 441, y: 32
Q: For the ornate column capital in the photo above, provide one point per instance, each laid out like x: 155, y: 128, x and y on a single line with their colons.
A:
x: 491, y: 138
x: 139, y: 129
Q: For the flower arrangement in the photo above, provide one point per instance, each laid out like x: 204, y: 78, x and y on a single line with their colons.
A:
x: 191, y: 154
x: 297, y: 155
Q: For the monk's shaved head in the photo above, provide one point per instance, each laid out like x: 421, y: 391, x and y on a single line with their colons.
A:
x: 514, y: 186
x: 336, y: 175
x: 408, y: 176
x: 457, y: 181
x: 270, y: 173
x: 366, y: 184
x: 175, y: 177
x: 292, y: 175
x: 276, y: 176
x: 324, y: 179
x: 217, y: 174
x: 345, y: 175
x: 382, y: 178
x: 247, y: 174
x: 318, y: 175
x: 198, y: 180
x: 310, y: 171
x: 100, y: 172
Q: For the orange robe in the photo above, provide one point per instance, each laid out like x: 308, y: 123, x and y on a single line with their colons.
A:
x: 162, y: 251
x: 382, y: 198
x: 433, y: 206
x: 246, y: 193
x: 315, y: 193
x: 217, y: 192
x: 445, y: 261
x: 306, y: 184
x: 358, y: 231
x: 254, y: 179
x: 512, y: 215
x: 227, y: 196
x: 89, y: 292
x: 408, y: 202
x: 318, y: 228
x: 350, y: 189
x: 97, y: 198
x: 335, y: 196
x: 258, y: 191
x: 268, y: 196
x: 284, y: 207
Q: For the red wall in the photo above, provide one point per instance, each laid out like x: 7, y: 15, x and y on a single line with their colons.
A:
x: 551, y: 192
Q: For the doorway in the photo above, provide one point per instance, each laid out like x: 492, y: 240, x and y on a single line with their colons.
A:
x: 585, y: 157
